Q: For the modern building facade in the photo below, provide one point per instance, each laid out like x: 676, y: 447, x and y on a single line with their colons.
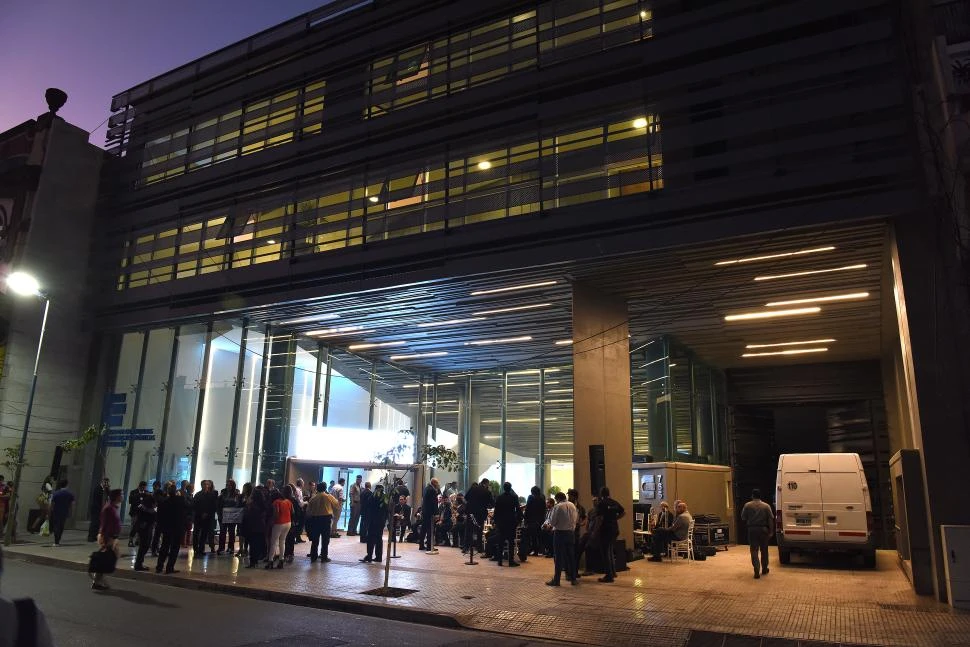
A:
x: 695, y: 231
x: 48, y: 189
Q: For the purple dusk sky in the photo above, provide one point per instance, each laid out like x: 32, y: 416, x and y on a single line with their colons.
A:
x: 95, y: 49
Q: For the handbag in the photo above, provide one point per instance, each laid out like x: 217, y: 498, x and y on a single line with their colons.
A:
x: 102, y: 561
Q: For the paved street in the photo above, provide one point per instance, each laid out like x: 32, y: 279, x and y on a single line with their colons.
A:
x: 136, y: 612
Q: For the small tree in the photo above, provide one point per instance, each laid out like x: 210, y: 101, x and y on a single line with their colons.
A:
x: 433, y: 456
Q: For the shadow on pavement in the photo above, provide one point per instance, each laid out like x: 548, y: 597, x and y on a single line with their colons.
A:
x: 137, y: 598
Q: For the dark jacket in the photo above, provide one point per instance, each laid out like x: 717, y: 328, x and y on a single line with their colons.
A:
x: 429, y: 502
x: 404, y: 510
x: 229, y: 499
x: 507, y: 511
x: 535, y: 509
x: 254, y: 518
x: 171, y: 514
x: 99, y: 496
x: 205, y: 506
x: 609, y: 512
x: 478, y: 500
x: 376, y: 513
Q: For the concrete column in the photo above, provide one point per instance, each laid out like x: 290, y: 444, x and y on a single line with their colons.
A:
x: 601, y: 394
x: 932, y: 312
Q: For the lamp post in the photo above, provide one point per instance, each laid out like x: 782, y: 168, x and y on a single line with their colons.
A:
x: 25, y: 285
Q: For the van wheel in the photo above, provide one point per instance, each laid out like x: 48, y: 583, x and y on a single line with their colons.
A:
x: 784, y: 556
x: 869, y: 559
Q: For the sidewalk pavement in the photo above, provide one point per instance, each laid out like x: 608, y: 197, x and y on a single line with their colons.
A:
x: 675, y: 604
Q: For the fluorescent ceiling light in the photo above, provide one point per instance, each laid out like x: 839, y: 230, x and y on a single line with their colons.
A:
x: 656, y: 379
x: 507, y: 340
x: 560, y: 390
x: 271, y: 242
x: 374, y: 198
x: 493, y: 421
x: 533, y: 371
x: 450, y: 322
x: 793, y: 351
x: 768, y: 257
x: 310, y: 319
x: 328, y: 332
x: 484, y: 165
x: 564, y: 342
x: 414, y: 404
x: 375, y: 345
x: 640, y: 122
x: 808, y: 342
x: 545, y: 401
x: 526, y: 286
x: 770, y: 314
x: 535, y: 384
x: 511, y: 309
x: 653, y: 362
x: 417, y: 386
x: 417, y: 355
x: 672, y: 364
x: 491, y: 436
x: 835, y: 297
x: 771, y: 277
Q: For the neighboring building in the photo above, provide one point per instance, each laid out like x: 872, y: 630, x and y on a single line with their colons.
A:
x: 48, y: 189
x: 696, y: 231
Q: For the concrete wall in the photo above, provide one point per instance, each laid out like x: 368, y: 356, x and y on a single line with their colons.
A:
x: 57, y: 253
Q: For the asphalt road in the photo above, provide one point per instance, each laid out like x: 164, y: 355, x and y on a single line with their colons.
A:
x: 135, y: 612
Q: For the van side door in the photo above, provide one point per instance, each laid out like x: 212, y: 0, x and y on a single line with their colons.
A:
x: 800, y: 499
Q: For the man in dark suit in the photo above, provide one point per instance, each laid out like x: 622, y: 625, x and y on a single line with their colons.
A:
x: 429, y: 507
x: 478, y: 500
x: 508, y: 514
x: 99, y: 497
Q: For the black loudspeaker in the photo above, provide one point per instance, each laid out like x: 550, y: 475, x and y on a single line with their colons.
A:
x: 597, y: 468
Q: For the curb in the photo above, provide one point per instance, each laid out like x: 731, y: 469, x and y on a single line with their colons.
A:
x: 413, y: 616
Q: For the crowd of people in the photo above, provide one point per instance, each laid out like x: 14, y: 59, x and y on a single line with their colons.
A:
x: 262, y: 524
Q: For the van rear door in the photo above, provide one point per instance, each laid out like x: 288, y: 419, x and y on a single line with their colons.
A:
x: 800, y: 494
x: 845, y: 499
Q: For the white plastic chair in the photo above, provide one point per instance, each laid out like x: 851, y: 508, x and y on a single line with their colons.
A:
x: 685, y: 545
x: 638, y: 521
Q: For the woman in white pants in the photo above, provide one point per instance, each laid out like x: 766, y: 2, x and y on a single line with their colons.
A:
x: 282, y: 519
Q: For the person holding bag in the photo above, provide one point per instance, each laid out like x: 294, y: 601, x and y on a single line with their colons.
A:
x: 103, y: 561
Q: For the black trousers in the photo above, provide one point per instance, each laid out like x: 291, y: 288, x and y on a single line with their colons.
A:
x: 661, y: 539
x: 609, y: 559
x: 230, y: 529
x: 533, y: 532
x: 204, y: 534
x: 506, y: 541
x: 564, y: 547
x: 375, y: 545
x: 758, y: 543
x: 318, y: 529
x: 257, y: 547
x: 57, y: 526
x: 427, y: 527
x: 144, y: 541
x: 171, y: 540
x: 156, y: 538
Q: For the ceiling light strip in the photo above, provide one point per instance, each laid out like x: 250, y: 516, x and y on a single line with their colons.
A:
x: 507, y: 340
x: 790, y: 275
x: 395, y: 358
x: 771, y: 314
x: 382, y: 344
x: 852, y: 296
x: 511, y: 288
x: 768, y: 257
x: 807, y: 342
x: 449, y: 322
x: 793, y: 351
x: 511, y: 309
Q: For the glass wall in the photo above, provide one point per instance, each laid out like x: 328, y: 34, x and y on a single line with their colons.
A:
x: 678, y: 405
x: 224, y: 399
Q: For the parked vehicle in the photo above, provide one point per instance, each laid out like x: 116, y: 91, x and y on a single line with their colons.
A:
x: 822, y: 505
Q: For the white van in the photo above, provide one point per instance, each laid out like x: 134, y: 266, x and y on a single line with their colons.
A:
x: 822, y: 504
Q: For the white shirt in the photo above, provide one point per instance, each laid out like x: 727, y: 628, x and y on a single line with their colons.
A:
x: 338, y: 492
x: 564, y: 516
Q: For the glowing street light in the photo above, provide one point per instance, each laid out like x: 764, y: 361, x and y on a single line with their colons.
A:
x: 25, y: 284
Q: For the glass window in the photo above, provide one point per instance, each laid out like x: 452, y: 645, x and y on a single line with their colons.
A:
x: 220, y: 391
x: 558, y: 428
x: 151, y: 407
x: 249, y: 403
x: 125, y: 394
x: 176, y: 460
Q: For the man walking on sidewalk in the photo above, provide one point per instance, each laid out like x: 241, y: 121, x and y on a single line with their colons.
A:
x: 355, y: 491
x: 761, y: 526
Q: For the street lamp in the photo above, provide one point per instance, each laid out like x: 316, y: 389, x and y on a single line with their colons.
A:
x: 25, y: 284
